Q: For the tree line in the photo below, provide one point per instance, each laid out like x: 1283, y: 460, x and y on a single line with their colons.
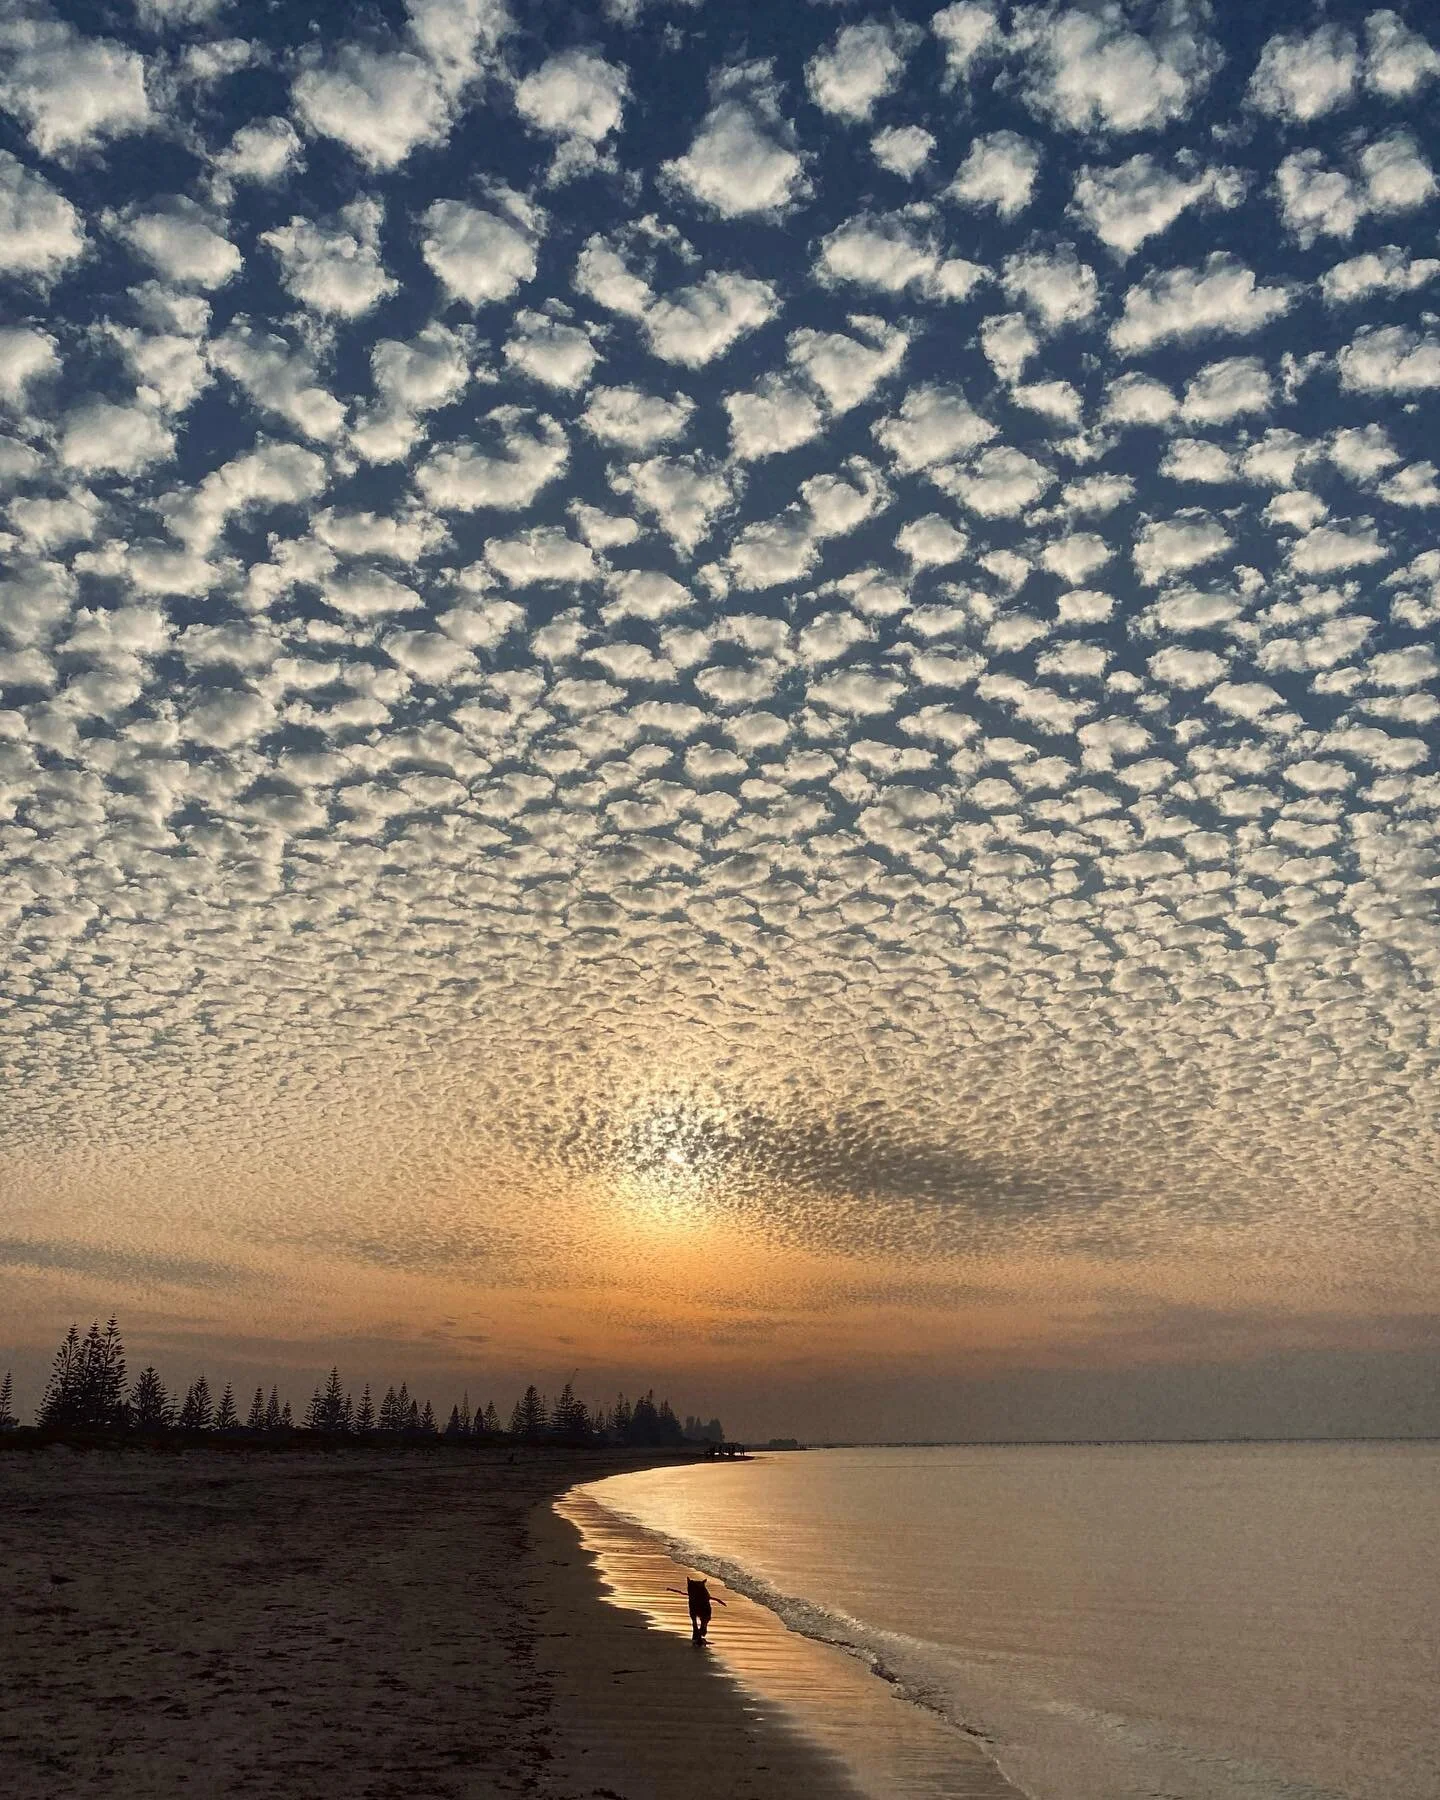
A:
x: 89, y: 1390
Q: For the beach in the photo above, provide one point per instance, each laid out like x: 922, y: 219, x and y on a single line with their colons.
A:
x: 361, y: 1626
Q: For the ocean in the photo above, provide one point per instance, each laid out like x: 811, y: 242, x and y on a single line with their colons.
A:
x: 1108, y: 1622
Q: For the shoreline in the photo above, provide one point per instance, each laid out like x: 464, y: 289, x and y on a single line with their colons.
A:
x: 887, y: 1743
x: 351, y: 1627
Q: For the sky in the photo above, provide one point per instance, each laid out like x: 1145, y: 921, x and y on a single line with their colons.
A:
x: 727, y: 694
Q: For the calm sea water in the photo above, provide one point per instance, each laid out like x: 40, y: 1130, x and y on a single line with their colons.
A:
x: 1197, y: 1622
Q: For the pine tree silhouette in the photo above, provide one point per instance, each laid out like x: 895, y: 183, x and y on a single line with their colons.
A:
x: 390, y: 1411
x: 452, y: 1425
x: 464, y: 1414
x: 195, y: 1413
x: 412, y: 1417
x: 8, y: 1421
x: 226, y: 1417
x: 330, y: 1407
x: 428, y: 1426
x: 528, y: 1419
x: 492, y: 1419
x: 273, y: 1420
x: 60, y: 1407
x: 149, y: 1405
x: 365, y: 1412
x: 256, y: 1420
x: 287, y: 1423
x: 314, y: 1414
x: 109, y: 1378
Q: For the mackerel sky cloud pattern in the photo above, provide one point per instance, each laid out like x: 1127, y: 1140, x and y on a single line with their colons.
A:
x: 860, y: 585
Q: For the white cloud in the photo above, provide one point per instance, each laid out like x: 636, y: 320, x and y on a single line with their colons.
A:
x: 967, y: 30
x: 1407, y: 668
x: 645, y: 594
x: 636, y: 420
x: 902, y: 149
x: 561, y: 356
x: 1076, y: 557
x: 775, y: 416
x: 1088, y: 73
x: 121, y: 440
x: 405, y: 538
x: 1182, y: 303
x: 847, y: 370
x: 862, y: 65
x: 383, y: 104
x: 1397, y: 176
x: 931, y: 542
x: 431, y: 370
x: 543, y: 553
x: 1057, y: 287
x: 26, y: 355
x: 369, y: 594
x: 1329, y: 548
x: 40, y: 231
x: 461, y: 478
x: 380, y: 106
x: 1299, y: 78
x: 1223, y: 390
x: 857, y: 692
x: 1389, y: 269
x: 889, y: 251
x: 1317, y: 200
x: 694, y: 325
x: 71, y: 92
x: 1413, y: 486
x: 1398, y: 60
x: 1363, y: 451
x: 335, y: 268
x: 1390, y: 359
x: 267, y: 150
x: 182, y: 242
x: 481, y: 257
x: 934, y: 425
x: 232, y: 717
x: 1181, y: 668
x: 683, y: 493
x: 277, y: 378
x: 1192, y: 459
x: 999, y: 171
x: 1137, y: 199
x: 275, y: 475
x: 1008, y: 344
x: 1172, y: 546
x: 601, y: 275
x: 170, y: 370
x: 576, y: 94
x: 740, y: 161
x: 1139, y: 400
x: 1000, y: 483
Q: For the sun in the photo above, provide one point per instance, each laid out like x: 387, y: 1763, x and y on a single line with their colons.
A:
x: 669, y: 1161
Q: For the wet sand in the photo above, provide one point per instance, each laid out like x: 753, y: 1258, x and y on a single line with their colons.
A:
x: 890, y: 1747
x: 348, y: 1627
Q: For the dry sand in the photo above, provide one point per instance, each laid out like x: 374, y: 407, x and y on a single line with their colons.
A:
x: 349, y: 1627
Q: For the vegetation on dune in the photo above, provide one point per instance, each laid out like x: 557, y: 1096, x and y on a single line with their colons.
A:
x: 87, y: 1392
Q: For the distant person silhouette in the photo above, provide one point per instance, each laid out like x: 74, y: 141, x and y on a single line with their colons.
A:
x: 699, y: 1598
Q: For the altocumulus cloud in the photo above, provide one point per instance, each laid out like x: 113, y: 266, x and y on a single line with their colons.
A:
x: 850, y: 597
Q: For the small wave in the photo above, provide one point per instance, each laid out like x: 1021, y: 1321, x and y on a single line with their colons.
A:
x: 892, y: 1656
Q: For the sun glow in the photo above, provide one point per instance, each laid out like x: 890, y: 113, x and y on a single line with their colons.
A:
x: 668, y: 1160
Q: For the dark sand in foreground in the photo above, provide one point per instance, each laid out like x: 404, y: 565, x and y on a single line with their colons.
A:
x: 357, y: 1626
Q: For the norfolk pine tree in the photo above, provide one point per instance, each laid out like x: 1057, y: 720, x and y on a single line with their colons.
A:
x: 256, y: 1419
x: 149, y: 1406
x: 8, y: 1421
x: 365, y: 1412
x: 226, y: 1417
